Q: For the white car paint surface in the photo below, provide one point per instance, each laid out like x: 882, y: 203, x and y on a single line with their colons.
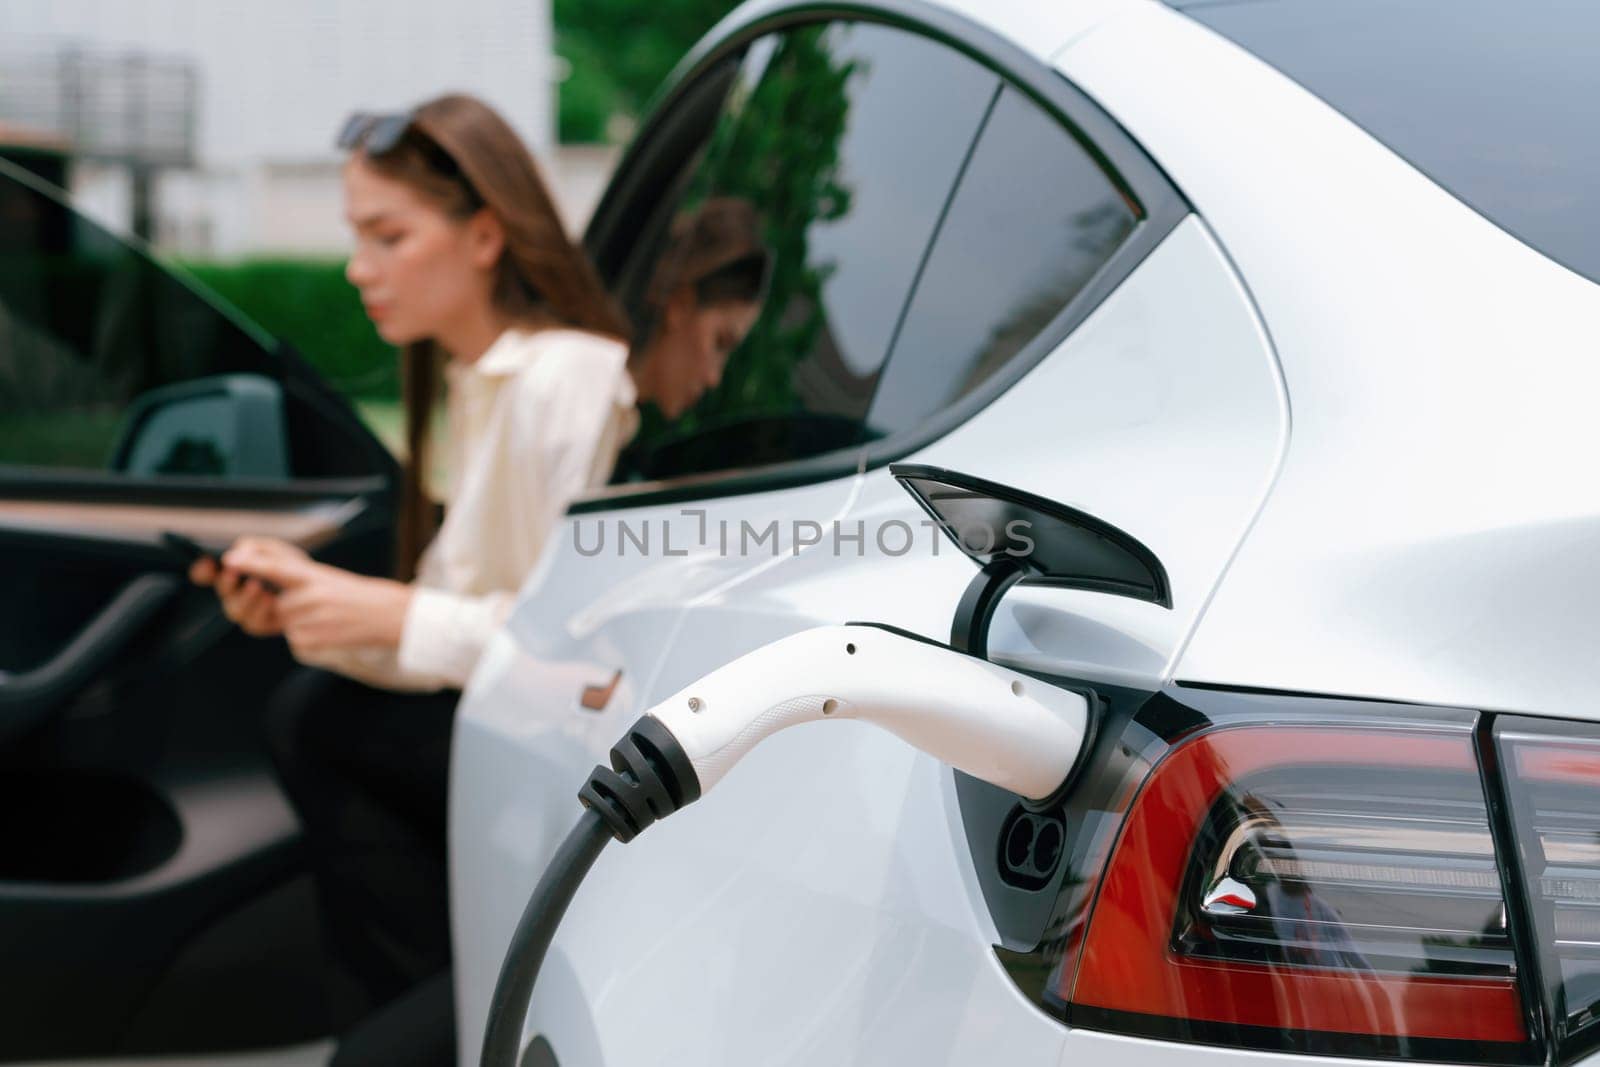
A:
x: 1428, y: 495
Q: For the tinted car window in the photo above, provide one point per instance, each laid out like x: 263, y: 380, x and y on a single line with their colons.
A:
x: 837, y: 147
x: 91, y: 331
x: 1498, y: 103
x: 1032, y: 220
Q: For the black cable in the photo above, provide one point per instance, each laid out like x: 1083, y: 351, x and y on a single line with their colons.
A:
x: 650, y: 777
x: 502, y: 1036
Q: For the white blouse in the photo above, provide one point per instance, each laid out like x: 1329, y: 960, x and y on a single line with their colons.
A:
x: 533, y: 422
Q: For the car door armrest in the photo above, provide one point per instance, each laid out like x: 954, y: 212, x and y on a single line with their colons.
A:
x: 26, y: 697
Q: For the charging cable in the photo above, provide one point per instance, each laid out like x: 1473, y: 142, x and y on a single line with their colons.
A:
x: 1007, y: 728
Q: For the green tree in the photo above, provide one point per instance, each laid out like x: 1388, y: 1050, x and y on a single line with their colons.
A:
x: 781, y: 152
x: 619, y: 52
x: 777, y: 146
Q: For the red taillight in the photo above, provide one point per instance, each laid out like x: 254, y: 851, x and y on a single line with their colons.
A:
x: 1552, y: 774
x: 1314, y: 879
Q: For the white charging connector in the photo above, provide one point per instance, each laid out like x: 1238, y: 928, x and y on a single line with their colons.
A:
x: 1007, y: 728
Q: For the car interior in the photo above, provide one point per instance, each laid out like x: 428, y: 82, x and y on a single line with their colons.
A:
x: 152, y: 898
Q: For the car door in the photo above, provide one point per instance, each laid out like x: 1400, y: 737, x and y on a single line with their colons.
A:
x: 150, y: 889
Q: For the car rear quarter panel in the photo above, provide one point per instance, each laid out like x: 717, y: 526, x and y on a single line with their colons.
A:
x: 1431, y: 536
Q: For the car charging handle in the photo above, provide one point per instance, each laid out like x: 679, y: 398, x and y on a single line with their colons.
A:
x: 1007, y: 728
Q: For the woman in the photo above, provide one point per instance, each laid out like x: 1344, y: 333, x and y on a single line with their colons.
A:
x: 461, y: 259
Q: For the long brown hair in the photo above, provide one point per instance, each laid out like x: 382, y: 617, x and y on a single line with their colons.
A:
x: 717, y: 248
x: 462, y: 156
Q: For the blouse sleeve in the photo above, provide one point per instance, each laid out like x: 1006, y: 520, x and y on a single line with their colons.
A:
x: 443, y: 635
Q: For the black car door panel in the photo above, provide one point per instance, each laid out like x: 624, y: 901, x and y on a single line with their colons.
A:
x: 153, y: 896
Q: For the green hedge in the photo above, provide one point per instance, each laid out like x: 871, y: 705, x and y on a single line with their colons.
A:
x: 309, y: 304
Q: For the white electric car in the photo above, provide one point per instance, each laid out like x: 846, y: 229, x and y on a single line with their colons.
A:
x: 1299, y: 296
x: 1276, y: 324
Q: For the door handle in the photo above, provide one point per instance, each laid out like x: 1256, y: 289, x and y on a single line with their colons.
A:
x: 596, y: 697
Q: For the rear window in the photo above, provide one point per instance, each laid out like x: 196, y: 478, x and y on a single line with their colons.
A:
x: 1032, y: 219
x: 1497, y: 102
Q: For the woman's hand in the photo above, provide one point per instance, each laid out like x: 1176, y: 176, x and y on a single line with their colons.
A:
x: 245, y: 600
x: 322, y: 608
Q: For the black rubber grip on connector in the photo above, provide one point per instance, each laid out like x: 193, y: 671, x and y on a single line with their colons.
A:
x: 650, y: 777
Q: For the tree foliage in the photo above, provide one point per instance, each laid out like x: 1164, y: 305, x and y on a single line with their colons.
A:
x: 776, y: 146
x: 781, y: 152
x: 619, y: 52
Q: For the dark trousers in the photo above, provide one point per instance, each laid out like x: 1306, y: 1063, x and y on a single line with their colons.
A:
x: 366, y: 772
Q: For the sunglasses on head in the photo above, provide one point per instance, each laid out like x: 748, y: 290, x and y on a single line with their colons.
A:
x: 379, y: 133
x: 376, y: 132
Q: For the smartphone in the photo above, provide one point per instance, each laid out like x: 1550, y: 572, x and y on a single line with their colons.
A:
x: 192, y: 551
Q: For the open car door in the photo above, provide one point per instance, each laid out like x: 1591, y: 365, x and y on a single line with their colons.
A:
x: 151, y: 894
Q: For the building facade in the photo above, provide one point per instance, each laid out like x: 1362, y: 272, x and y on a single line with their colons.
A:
x: 268, y: 85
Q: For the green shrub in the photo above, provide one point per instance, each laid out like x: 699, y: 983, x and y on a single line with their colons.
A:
x: 309, y: 304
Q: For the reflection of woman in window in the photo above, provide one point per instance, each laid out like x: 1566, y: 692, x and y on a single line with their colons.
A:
x: 461, y: 259
x: 704, y: 296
